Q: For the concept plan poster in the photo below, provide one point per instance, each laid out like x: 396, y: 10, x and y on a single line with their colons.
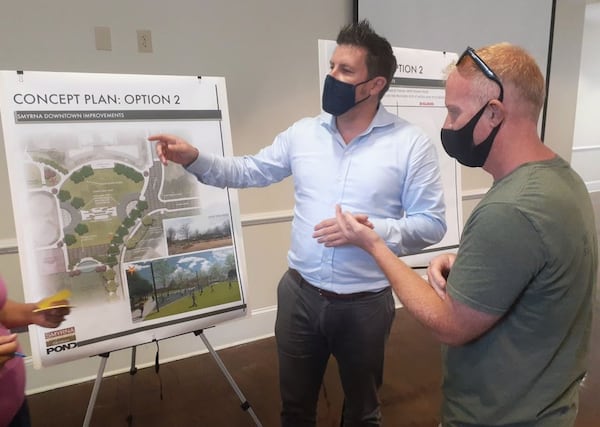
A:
x: 417, y: 94
x: 145, y: 250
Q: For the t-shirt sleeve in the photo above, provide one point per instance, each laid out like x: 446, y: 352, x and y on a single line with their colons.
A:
x: 499, y: 255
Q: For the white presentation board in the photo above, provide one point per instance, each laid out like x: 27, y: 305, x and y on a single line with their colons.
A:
x: 417, y: 94
x: 145, y: 251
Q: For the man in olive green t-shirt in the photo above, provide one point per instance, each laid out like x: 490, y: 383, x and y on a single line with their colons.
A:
x: 513, y: 307
x: 528, y: 258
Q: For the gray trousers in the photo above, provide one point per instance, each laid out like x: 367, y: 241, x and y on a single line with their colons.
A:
x: 311, y: 327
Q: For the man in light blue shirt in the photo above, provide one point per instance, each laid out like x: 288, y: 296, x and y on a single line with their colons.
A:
x: 335, y: 300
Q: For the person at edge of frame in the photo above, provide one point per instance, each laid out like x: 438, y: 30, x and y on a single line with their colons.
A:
x: 14, y: 411
x: 335, y: 301
x: 516, y: 303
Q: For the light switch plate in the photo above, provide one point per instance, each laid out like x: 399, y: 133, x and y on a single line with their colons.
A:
x: 102, y: 36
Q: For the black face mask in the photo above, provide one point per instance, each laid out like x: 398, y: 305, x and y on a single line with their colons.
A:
x: 459, y: 143
x: 339, y: 97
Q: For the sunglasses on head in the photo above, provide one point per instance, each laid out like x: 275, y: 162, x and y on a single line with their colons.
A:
x: 485, y: 69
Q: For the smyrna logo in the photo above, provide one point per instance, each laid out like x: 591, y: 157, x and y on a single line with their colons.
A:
x: 60, y: 340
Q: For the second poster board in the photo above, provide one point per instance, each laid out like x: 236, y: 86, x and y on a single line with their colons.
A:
x: 416, y: 94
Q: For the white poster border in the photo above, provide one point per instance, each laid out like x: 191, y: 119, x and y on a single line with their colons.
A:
x: 55, y: 122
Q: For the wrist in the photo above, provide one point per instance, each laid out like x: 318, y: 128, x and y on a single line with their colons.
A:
x: 29, y: 314
x: 194, y: 158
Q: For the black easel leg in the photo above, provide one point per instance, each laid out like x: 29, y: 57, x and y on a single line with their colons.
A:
x: 132, y: 372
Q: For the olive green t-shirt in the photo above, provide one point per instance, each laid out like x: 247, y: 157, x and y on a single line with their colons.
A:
x: 528, y: 253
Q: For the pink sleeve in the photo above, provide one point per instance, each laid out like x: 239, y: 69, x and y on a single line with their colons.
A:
x: 2, y: 293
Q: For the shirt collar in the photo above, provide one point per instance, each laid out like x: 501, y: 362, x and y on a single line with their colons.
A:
x: 382, y: 118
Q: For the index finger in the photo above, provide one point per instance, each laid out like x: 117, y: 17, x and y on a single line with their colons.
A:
x: 338, y: 212
x: 435, y: 275
x: 159, y: 137
x: 162, y: 142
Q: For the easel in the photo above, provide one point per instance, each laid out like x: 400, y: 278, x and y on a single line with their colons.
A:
x: 132, y: 371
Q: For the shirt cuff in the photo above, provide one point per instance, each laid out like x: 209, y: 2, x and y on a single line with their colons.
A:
x: 382, y: 228
x: 201, y: 165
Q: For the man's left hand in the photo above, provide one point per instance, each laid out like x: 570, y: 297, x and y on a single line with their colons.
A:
x: 328, y: 231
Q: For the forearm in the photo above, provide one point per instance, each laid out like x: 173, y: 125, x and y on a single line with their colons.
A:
x: 269, y: 165
x: 418, y: 297
x: 409, y: 235
x: 235, y: 172
x: 16, y: 314
x: 424, y: 222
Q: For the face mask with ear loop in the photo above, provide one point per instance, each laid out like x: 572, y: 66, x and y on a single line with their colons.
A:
x: 459, y: 143
x: 339, y: 97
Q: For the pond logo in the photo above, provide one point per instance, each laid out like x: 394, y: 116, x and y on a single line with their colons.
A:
x: 61, y: 347
x: 60, y: 340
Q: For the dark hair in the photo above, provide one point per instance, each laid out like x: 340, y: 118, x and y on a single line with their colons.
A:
x: 380, y: 57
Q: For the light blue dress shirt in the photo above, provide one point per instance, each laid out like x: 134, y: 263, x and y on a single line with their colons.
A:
x: 389, y: 172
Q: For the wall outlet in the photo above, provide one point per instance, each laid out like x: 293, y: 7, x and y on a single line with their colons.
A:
x: 144, y: 41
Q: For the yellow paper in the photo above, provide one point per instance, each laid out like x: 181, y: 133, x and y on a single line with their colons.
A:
x: 50, y: 302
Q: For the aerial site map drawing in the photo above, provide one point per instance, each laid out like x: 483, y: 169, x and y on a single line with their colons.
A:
x: 145, y: 251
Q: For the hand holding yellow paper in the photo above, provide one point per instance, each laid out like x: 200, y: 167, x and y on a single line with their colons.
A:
x: 58, y: 300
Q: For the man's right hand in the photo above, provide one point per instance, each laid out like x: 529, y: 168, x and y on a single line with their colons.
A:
x: 437, y: 272
x: 175, y: 149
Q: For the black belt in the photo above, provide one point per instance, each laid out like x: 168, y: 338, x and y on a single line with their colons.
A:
x: 329, y: 294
